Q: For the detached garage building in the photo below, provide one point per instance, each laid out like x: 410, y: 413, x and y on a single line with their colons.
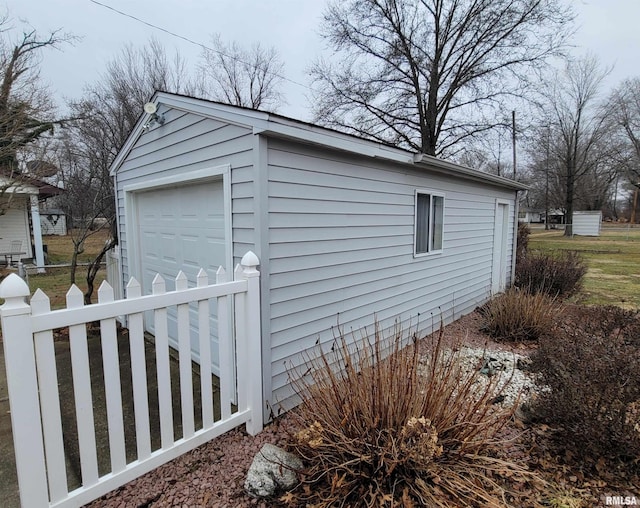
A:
x: 344, y: 228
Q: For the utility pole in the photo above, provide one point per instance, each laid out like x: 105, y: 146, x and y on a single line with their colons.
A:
x: 513, y: 139
x: 546, y: 189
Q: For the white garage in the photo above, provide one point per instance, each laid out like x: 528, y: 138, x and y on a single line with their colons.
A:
x: 333, y: 219
x: 180, y: 227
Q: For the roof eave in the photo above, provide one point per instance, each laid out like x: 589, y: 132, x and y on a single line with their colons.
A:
x: 344, y: 142
x: 270, y: 124
x: 469, y: 173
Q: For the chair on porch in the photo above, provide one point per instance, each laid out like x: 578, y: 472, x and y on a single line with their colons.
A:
x: 15, y: 249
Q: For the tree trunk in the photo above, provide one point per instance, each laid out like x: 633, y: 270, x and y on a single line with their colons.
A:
x: 94, y: 266
x: 74, y: 265
x: 568, y: 218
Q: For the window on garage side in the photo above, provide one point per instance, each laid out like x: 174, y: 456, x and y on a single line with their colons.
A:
x: 429, y: 222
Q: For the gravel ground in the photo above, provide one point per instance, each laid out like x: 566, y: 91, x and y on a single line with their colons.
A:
x: 213, y: 475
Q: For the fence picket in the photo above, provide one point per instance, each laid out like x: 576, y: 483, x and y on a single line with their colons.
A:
x: 139, y: 375
x: 206, y: 379
x: 165, y: 405
x: 112, y: 388
x: 82, y: 392
x: 224, y: 348
x: 49, y: 402
x: 184, y: 361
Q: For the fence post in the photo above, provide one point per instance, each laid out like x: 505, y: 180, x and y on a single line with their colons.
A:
x: 249, y: 263
x: 22, y: 385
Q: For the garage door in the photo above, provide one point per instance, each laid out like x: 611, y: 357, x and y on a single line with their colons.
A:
x: 182, y: 228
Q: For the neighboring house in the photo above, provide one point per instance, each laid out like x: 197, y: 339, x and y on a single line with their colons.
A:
x: 346, y: 230
x: 20, y: 222
x: 556, y: 217
x: 530, y: 215
x: 53, y: 221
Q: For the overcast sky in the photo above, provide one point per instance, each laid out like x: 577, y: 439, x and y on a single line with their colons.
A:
x: 608, y: 28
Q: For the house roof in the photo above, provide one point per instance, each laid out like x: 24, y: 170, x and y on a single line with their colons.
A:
x: 272, y: 124
x: 26, y: 184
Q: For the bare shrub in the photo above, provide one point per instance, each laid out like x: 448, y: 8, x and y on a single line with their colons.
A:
x: 590, y: 364
x: 522, y: 244
x: 558, y: 275
x: 518, y: 315
x: 379, y: 427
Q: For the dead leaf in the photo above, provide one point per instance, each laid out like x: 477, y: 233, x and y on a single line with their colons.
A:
x: 288, y: 498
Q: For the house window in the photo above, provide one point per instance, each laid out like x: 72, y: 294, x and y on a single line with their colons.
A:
x: 429, y: 222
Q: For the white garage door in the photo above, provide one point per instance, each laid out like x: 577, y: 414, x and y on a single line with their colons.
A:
x: 182, y: 228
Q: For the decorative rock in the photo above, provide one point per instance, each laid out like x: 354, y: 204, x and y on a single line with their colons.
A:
x: 508, y: 369
x: 272, y: 469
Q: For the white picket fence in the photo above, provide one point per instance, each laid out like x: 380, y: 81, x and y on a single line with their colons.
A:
x: 32, y: 378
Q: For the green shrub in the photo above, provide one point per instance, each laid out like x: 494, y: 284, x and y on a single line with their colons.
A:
x: 398, y: 430
x: 518, y: 315
x: 557, y: 275
x: 590, y: 364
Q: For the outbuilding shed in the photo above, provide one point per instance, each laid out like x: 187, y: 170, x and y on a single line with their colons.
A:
x: 587, y: 223
x: 345, y: 228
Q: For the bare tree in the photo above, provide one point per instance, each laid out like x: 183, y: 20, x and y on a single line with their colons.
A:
x: 579, y: 134
x: 492, y: 153
x: 625, y: 105
x: 423, y: 73
x: 243, y: 77
x: 26, y: 109
x: 105, y: 117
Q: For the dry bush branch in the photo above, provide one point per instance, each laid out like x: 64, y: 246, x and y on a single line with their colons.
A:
x: 381, y: 426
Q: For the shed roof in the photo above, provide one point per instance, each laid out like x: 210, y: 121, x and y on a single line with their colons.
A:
x: 275, y: 125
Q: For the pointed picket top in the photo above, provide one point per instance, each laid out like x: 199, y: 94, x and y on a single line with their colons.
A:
x: 133, y: 288
x: 181, y: 281
x: 202, y: 279
x: 237, y: 273
x: 158, y: 285
x: 221, y: 275
x: 75, y: 298
x: 105, y: 292
x: 40, y: 303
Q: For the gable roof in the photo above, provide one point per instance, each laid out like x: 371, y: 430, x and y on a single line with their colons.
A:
x: 272, y: 124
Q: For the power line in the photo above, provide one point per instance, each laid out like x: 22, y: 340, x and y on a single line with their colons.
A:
x: 191, y: 41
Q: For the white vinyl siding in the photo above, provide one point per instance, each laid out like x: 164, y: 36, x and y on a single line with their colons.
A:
x: 341, y: 247
x: 429, y: 222
x: 14, y: 225
x: 185, y: 143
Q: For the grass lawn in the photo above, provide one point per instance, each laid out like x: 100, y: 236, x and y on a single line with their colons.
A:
x: 56, y: 281
x: 613, y: 260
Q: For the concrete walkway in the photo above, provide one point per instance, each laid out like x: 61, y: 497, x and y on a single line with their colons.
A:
x: 9, y: 496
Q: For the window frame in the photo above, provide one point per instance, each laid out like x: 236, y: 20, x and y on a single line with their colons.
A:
x: 431, y: 225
